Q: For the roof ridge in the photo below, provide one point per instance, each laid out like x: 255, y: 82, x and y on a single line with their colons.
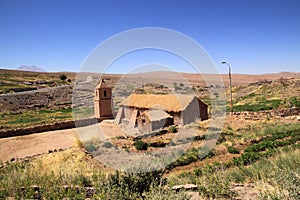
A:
x: 169, y: 102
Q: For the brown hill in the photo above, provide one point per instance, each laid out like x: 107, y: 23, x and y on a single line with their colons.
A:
x: 19, y: 79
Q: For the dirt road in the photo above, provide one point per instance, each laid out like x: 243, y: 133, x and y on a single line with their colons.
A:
x: 38, y: 143
x: 34, y: 144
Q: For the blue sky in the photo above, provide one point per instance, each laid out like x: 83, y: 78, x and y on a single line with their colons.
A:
x: 254, y: 36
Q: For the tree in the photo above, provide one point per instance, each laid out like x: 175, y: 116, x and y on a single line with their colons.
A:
x: 63, y: 77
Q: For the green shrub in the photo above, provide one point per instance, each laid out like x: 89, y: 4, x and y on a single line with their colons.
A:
x: 140, y: 145
x: 246, y: 158
x: 90, y: 147
x: 63, y: 77
x: 293, y: 102
x: 233, y: 150
x: 173, y: 129
x: 251, y: 107
x: 131, y: 185
x: 158, y: 144
x: 192, y: 155
x: 107, y: 144
x: 199, y: 137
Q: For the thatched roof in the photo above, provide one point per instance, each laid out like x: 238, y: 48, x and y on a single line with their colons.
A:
x: 157, y: 115
x: 170, y: 103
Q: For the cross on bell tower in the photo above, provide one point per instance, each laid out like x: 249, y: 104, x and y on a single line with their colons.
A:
x: 103, y: 103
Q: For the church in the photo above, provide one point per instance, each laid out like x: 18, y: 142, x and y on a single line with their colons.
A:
x: 149, y: 112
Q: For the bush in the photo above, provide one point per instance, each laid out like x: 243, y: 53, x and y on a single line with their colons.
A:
x: 233, y: 150
x: 90, y: 147
x: 173, y: 129
x: 192, y: 155
x: 63, y: 77
x: 140, y: 145
x: 158, y: 144
x: 294, y: 101
x: 131, y: 185
x: 107, y: 144
x: 246, y: 158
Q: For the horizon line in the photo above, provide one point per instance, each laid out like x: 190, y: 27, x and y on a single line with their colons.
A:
x: 114, y: 73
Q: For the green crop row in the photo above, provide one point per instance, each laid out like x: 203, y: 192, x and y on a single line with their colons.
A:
x: 271, y: 142
x: 263, y: 104
x: 192, y: 155
x: 266, y: 147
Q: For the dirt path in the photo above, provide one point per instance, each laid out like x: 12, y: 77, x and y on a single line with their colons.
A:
x: 39, y: 143
x: 34, y: 144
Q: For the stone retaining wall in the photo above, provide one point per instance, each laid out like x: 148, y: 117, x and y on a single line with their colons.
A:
x: 47, y: 98
x: 47, y: 127
x: 268, y: 113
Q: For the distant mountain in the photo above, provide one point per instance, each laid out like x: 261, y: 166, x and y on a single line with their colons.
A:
x: 31, y: 68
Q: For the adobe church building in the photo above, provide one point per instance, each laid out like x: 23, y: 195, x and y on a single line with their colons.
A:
x: 149, y: 112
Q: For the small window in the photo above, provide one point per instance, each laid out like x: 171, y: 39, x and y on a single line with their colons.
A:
x: 104, y: 93
x: 143, y: 121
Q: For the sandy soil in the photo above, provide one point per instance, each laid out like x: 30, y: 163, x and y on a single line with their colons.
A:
x: 39, y: 143
x: 34, y: 144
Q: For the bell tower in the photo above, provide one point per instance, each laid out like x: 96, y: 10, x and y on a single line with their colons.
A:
x: 103, y: 101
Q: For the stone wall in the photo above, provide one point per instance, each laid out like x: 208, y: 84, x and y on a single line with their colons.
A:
x: 47, y: 127
x: 47, y: 98
x: 268, y: 114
